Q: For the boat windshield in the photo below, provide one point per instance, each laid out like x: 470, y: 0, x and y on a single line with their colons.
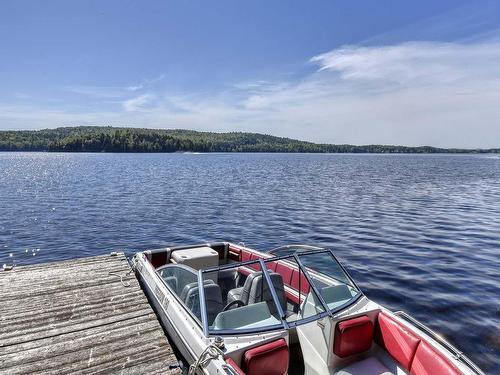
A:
x: 273, y: 293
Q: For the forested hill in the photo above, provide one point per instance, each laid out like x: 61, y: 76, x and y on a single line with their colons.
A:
x: 113, y: 139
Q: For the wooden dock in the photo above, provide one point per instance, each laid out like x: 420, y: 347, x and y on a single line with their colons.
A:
x: 79, y: 316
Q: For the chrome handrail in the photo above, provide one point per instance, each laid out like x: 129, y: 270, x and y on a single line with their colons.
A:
x: 457, y: 354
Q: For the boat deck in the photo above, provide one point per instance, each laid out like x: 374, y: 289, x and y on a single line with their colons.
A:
x: 86, y: 316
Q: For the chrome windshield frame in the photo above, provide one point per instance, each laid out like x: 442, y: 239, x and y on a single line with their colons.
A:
x: 307, y: 248
x: 273, y: 293
x: 284, y: 324
x: 203, y: 306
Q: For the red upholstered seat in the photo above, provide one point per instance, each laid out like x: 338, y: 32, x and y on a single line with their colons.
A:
x: 270, y: 359
x: 272, y: 266
x: 412, y: 352
x: 234, y: 366
x: 304, y: 284
x: 399, y: 342
x: 353, y: 336
x: 285, y: 271
x: 255, y: 266
x: 428, y: 361
x: 293, y: 297
x: 245, y: 255
x: 244, y: 271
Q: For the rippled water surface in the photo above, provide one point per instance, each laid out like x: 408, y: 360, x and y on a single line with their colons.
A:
x: 418, y: 233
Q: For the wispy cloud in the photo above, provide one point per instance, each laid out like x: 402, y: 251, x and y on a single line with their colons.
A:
x: 414, y: 63
x: 114, y: 92
x: 138, y: 103
x: 146, y: 83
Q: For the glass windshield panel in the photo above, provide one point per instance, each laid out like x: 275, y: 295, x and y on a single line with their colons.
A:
x: 177, y: 277
x: 294, y: 292
x: 329, y: 278
x: 239, y: 298
x: 183, y: 281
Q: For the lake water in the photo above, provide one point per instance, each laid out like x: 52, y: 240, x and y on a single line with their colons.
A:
x: 419, y: 233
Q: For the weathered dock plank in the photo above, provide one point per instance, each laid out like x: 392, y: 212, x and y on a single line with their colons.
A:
x: 79, y: 316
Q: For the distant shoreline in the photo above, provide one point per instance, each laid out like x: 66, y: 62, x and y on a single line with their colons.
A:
x: 105, y: 139
x: 472, y: 152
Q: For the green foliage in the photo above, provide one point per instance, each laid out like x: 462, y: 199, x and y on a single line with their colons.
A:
x: 111, y: 139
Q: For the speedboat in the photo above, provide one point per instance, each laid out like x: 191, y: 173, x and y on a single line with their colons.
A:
x: 293, y: 310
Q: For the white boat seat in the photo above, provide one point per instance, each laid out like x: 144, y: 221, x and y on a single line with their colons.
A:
x: 171, y: 281
x: 254, y: 290
x: 368, y: 366
x: 188, y: 287
x: 213, y: 300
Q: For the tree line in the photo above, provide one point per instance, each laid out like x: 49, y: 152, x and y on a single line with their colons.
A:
x: 113, y: 139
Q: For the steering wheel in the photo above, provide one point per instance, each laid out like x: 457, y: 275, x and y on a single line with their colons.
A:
x: 231, y: 304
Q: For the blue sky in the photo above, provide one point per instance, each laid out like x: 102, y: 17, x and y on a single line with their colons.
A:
x: 392, y: 72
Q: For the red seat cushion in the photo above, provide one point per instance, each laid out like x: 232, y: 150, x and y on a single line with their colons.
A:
x: 255, y: 266
x: 428, y: 361
x: 399, y: 342
x: 244, y: 271
x: 353, y: 336
x: 304, y: 284
x: 272, y: 266
x: 285, y: 271
x: 234, y: 366
x: 293, y: 297
x: 270, y: 359
x: 245, y: 255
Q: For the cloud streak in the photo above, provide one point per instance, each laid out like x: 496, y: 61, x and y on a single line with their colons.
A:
x: 146, y: 83
x: 414, y: 63
x: 138, y: 103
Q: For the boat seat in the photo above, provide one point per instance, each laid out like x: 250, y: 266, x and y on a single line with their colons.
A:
x: 188, y: 287
x: 213, y: 300
x: 182, y: 274
x: 254, y: 290
x: 397, y: 340
x: 353, y: 336
x: 234, y: 294
x: 428, y: 361
x: 171, y: 281
x: 186, y: 290
x: 271, y: 358
x: 409, y: 350
x: 368, y: 366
